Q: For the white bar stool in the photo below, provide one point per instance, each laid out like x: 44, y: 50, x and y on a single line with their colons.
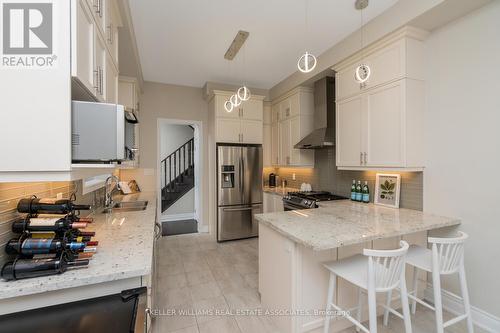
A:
x: 374, y: 271
x: 446, y: 257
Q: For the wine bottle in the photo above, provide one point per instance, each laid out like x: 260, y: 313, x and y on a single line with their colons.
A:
x: 359, y: 194
x: 353, y: 190
x: 366, y: 193
x: 32, y: 246
x: 41, y: 224
x: 48, y: 206
x: 71, y: 217
x: 28, y: 268
x: 72, y: 235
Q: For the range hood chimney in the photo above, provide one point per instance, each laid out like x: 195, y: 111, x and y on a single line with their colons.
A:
x: 324, y: 114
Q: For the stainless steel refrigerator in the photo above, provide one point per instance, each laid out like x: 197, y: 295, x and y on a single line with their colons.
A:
x: 239, y: 195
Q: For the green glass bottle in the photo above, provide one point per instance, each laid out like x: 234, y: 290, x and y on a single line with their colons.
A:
x: 366, y: 193
x: 353, y: 190
x: 359, y: 192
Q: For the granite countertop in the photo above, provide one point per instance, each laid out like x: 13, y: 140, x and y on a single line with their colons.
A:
x: 343, y: 222
x: 125, y: 250
x: 281, y: 191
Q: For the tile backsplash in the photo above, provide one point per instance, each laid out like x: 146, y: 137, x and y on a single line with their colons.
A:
x: 10, y: 193
x: 325, y: 176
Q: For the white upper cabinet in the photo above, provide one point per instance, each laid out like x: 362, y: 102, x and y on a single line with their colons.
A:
x: 82, y: 45
x: 380, y: 126
x: 267, y: 135
x: 111, y: 34
x: 128, y: 91
x: 91, y: 43
x: 348, y: 122
x: 275, y: 139
x: 111, y: 81
x: 398, y: 56
x: 100, y: 67
x: 292, y: 120
x: 98, y: 8
x: 244, y: 124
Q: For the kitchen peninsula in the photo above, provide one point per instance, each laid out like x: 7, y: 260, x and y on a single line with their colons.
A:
x: 292, y: 246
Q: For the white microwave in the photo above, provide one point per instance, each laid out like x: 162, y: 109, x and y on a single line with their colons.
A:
x: 101, y: 132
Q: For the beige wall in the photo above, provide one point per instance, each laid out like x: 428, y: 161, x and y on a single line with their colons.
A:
x: 462, y: 143
x: 165, y: 101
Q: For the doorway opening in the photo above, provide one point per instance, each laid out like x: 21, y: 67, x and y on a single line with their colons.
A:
x: 178, y: 176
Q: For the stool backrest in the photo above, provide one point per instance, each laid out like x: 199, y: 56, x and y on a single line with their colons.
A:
x: 386, y: 267
x: 448, y: 252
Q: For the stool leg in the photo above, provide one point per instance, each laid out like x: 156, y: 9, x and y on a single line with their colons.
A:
x: 360, y: 309
x: 465, y: 296
x: 436, y: 286
x: 329, y: 301
x: 387, y: 304
x: 372, y: 309
x: 405, y: 305
x: 415, y: 290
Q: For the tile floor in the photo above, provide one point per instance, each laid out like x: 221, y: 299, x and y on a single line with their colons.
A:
x: 197, y: 274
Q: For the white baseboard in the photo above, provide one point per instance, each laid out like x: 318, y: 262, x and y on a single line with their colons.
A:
x: 177, y: 217
x: 453, y: 304
x: 202, y: 228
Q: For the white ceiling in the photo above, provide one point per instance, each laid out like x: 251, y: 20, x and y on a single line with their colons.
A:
x: 183, y: 41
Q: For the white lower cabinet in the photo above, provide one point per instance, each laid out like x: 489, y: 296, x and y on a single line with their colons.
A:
x: 272, y: 203
x: 383, y: 127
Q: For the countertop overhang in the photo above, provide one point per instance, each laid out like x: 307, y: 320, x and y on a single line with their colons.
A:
x: 125, y: 250
x: 339, y: 223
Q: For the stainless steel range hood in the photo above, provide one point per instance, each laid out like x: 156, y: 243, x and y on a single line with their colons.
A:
x: 324, y: 114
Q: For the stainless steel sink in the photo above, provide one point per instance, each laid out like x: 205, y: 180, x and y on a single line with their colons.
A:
x: 127, y: 206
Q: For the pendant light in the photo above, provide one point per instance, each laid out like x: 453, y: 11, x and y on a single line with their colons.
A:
x: 307, y: 62
x: 235, y: 100
x: 228, y: 106
x: 363, y: 71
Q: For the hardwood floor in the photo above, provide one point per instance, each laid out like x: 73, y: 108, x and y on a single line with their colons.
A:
x: 200, y: 282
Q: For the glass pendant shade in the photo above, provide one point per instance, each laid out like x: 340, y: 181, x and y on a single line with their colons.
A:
x: 235, y: 100
x: 228, y: 106
x: 244, y: 93
x: 306, y: 63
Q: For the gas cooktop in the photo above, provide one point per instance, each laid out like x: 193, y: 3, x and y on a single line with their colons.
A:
x: 307, y: 200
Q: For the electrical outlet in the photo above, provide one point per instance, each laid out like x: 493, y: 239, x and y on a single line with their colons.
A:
x: 59, y: 195
x: 293, y: 176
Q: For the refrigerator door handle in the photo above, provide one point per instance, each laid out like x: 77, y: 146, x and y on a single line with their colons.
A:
x: 239, y: 209
x: 242, y: 177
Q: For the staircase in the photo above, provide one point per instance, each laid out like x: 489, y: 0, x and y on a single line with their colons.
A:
x: 177, y: 174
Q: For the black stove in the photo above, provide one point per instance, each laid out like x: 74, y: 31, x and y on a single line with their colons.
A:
x: 307, y: 200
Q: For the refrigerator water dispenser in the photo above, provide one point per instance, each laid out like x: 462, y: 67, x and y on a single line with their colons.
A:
x: 227, y: 173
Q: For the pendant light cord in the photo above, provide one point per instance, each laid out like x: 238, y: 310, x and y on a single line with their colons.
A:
x: 306, y: 31
x: 362, y: 37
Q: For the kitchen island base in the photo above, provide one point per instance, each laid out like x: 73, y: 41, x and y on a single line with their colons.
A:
x: 293, y: 282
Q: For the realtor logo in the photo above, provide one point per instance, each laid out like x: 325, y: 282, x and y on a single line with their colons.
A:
x: 27, y: 28
x: 27, y: 35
